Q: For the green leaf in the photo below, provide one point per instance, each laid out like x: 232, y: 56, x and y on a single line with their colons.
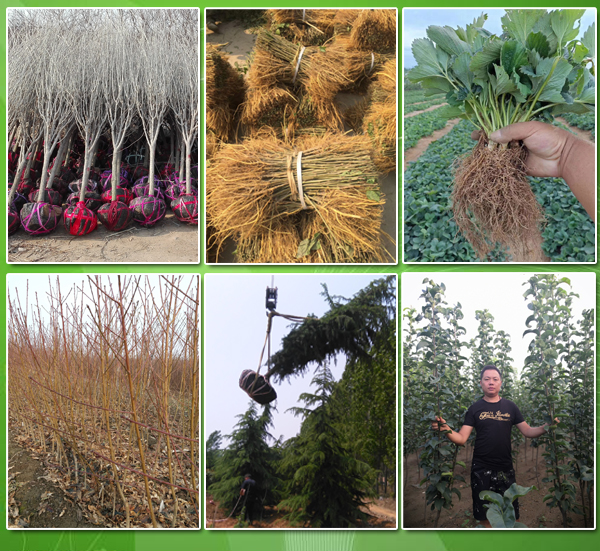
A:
x: 515, y: 491
x: 462, y: 71
x: 447, y: 39
x: 449, y: 112
x: 488, y: 495
x: 539, y: 43
x: 580, y: 53
x: 520, y: 23
x: 426, y: 56
x: 482, y: 60
x: 563, y: 24
x: 512, y: 56
x: 309, y: 245
x: 503, y: 85
x: 589, y: 39
x: 373, y: 195
x: 495, y: 516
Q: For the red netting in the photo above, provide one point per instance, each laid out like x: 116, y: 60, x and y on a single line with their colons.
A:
x: 40, y: 218
x: 79, y: 220
x: 138, y: 172
x: 106, y: 181
x: 123, y: 195
x: 75, y: 186
x: 49, y: 196
x: 13, y: 221
x: 93, y: 201
x: 143, y: 189
x: 115, y: 216
x: 18, y: 200
x: 185, y: 208
x: 147, y: 211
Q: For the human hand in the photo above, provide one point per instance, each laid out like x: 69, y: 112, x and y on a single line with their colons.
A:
x: 439, y: 424
x: 548, y: 145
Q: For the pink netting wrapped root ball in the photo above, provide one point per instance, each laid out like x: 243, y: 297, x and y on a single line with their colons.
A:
x: 92, y: 185
x: 93, y: 201
x: 14, y: 223
x: 115, y: 216
x: 185, y: 208
x: 79, y: 220
x: 123, y: 195
x: 40, y: 218
x: 147, y: 210
x: 106, y: 180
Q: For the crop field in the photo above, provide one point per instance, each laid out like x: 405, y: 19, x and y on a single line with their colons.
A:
x: 545, y: 357
x: 103, y: 392
x: 585, y: 121
x: 420, y: 126
x: 422, y: 106
x: 418, y: 96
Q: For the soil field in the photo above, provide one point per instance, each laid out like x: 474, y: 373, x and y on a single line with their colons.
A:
x: 533, y: 510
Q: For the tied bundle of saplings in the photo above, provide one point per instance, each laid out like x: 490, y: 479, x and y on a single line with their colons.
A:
x: 307, y: 27
x: 374, y: 31
x: 538, y: 68
x: 332, y: 179
x: 317, y: 72
x: 224, y: 93
x: 375, y: 115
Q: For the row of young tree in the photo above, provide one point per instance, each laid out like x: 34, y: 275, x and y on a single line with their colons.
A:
x: 78, y: 78
x: 345, y: 452
x: 441, y: 377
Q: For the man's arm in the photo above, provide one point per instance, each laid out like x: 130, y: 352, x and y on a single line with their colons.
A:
x: 533, y: 432
x: 459, y: 437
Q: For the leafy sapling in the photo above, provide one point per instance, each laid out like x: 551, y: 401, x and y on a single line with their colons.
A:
x: 538, y: 68
x: 500, y: 510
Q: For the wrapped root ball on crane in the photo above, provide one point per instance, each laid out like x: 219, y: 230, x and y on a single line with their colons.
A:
x: 40, y: 218
x: 80, y: 220
x: 48, y: 196
x: 185, y: 208
x: 14, y: 223
x: 115, y: 216
x: 257, y: 387
x: 147, y: 211
x: 122, y: 194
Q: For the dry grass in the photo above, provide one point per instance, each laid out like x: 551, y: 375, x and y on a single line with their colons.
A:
x: 375, y: 31
x: 493, y: 201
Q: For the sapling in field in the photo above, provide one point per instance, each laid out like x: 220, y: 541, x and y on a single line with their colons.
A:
x: 541, y: 66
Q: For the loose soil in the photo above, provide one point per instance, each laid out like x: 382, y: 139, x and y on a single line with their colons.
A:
x: 415, y: 152
x: 533, y: 510
x: 382, y: 515
x: 168, y: 241
x: 34, y: 499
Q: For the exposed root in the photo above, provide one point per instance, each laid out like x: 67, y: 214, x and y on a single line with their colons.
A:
x: 493, y: 202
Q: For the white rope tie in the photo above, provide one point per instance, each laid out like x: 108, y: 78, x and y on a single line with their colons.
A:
x: 298, y: 64
x: 303, y: 15
x: 372, y: 63
x: 299, y: 174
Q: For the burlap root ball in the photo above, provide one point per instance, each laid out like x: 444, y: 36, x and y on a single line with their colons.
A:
x: 79, y: 220
x: 123, y: 195
x: 115, y: 216
x: 147, y: 210
x: 49, y: 196
x: 40, y: 218
x: 185, y: 208
x: 14, y: 223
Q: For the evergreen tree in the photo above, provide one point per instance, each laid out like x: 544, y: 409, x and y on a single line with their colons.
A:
x: 247, y: 453
x: 326, y: 485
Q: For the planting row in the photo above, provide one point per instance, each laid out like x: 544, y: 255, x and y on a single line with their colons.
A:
x: 422, y: 125
x: 422, y: 106
x: 431, y: 234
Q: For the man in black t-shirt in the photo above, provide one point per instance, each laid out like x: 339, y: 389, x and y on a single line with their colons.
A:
x: 492, y: 417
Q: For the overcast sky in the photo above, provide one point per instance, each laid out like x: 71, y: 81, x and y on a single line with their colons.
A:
x: 416, y: 21
x: 500, y: 293
x: 235, y: 326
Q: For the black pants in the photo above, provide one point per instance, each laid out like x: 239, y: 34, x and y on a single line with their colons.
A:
x: 484, y: 478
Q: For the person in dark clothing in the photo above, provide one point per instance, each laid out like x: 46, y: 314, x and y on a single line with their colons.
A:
x: 492, y: 417
x: 248, y: 490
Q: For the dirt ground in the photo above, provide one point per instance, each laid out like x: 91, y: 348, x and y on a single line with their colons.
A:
x: 238, y: 42
x: 533, y: 510
x: 34, y: 500
x: 415, y: 152
x: 382, y: 515
x: 168, y: 241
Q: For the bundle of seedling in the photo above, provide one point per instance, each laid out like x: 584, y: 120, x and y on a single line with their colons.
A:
x: 540, y: 67
x: 104, y: 78
x: 321, y: 197
x: 306, y: 27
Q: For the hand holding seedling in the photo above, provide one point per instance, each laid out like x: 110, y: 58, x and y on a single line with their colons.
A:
x: 439, y: 424
x: 555, y: 153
